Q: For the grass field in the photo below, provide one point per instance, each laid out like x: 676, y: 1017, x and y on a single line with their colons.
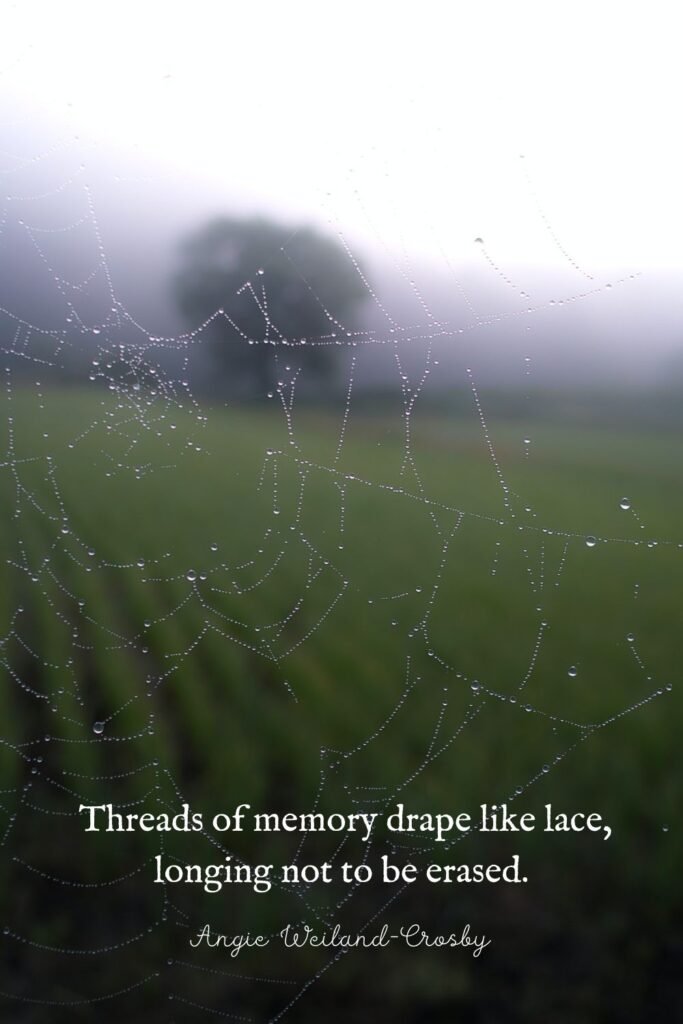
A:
x: 230, y: 596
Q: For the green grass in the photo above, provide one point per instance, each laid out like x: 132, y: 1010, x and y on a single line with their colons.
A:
x: 347, y: 665
x: 362, y: 642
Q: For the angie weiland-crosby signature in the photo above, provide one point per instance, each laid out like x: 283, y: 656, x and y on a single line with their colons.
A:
x: 298, y: 936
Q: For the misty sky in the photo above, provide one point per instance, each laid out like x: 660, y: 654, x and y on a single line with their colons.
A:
x: 424, y: 109
x: 548, y: 130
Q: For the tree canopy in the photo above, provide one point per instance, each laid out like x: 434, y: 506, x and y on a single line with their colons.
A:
x: 283, y: 295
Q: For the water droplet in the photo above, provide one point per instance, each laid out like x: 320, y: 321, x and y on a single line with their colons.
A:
x: 98, y: 728
x: 625, y: 504
x: 214, y: 546
x: 591, y: 542
x: 191, y: 575
x: 630, y: 637
x: 571, y: 671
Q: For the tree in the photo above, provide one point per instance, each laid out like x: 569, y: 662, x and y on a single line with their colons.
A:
x: 283, y: 297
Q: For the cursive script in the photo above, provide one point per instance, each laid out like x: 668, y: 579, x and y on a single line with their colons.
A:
x: 414, y: 936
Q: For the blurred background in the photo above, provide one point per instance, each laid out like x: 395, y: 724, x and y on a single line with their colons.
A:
x: 342, y: 356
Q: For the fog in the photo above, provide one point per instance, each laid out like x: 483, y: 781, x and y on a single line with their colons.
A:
x: 404, y: 143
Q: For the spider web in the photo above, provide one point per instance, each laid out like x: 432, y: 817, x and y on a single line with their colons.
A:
x: 296, y: 607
